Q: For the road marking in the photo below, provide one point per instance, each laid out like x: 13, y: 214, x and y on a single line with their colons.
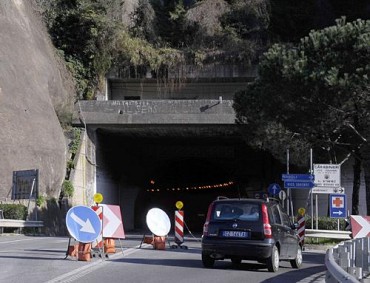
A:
x: 13, y: 241
x: 84, y: 270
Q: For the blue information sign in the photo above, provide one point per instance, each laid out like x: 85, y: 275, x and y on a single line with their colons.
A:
x: 83, y: 224
x: 298, y: 184
x: 295, y: 177
x: 338, y: 205
x: 274, y: 189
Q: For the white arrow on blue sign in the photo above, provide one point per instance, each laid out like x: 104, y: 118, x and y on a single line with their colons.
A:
x: 338, y: 205
x: 83, y: 224
x: 295, y: 177
x: 274, y: 189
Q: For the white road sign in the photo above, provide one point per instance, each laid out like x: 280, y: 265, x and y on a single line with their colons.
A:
x: 328, y: 190
x: 327, y: 175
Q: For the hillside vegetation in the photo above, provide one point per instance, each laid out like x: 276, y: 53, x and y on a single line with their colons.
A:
x: 163, y: 36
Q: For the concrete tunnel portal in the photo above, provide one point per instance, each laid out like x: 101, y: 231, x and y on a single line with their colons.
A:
x: 157, y: 166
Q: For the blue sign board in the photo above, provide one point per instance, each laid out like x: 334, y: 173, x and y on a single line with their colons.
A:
x: 294, y: 177
x: 298, y: 184
x: 274, y: 189
x: 338, y: 205
x: 83, y: 224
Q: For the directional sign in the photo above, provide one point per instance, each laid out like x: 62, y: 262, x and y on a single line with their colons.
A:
x: 338, y: 206
x: 83, y: 224
x: 298, y: 184
x: 113, y: 226
x: 274, y: 189
x: 360, y: 226
x: 328, y: 190
x: 295, y: 177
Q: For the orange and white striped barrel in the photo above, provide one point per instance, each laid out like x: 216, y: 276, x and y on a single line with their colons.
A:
x: 99, y: 243
x: 301, y: 228
x: 179, y: 226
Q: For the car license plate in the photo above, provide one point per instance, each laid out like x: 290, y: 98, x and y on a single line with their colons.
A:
x: 235, y: 234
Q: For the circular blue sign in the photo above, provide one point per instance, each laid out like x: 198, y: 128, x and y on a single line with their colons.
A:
x: 274, y: 189
x: 83, y: 224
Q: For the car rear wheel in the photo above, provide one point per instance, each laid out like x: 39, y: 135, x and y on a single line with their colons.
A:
x: 273, y: 260
x: 207, y: 260
x: 297, y: 262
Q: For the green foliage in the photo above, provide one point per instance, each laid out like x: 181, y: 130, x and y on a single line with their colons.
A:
x: 67, y: 189
x: 40, y: 200
x: 315, y: 92
x: 81, y: 29
x: 76, y: 141
x: 14, y: 211
x: 326, y: 223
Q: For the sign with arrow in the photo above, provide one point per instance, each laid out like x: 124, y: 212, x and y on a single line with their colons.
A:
x: 328, y: 190
x: 360, y: 226
x: 83, y: 224
x: 300, y: 177
x: 274, y: 189
x: 338, y: 206
x: 298, y: 181
x: 112, y: 222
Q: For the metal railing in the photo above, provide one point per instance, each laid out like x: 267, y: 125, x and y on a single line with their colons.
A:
x: 349, y: 261
x: 330, y: 234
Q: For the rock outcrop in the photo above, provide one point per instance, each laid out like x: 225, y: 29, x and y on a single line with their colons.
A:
x: 33, y: 89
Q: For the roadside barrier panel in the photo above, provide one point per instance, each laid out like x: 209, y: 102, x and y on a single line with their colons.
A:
x: 109, y: 246
x: 349, y: 261
x: 84, y: 252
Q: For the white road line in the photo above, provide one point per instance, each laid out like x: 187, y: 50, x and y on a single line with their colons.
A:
x: 84, y: 270
x: 13, y: 241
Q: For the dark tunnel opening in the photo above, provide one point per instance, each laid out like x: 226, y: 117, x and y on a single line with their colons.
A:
x: 191, y: 169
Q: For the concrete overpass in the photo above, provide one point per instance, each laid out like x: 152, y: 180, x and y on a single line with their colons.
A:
x: 150, y: 153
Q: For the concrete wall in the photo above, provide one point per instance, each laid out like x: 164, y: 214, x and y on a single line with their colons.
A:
x: 155, y: 112
x: 83, y: 175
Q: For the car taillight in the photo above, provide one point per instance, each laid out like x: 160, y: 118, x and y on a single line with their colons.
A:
x: 266, y: 222
x: 205, y: 226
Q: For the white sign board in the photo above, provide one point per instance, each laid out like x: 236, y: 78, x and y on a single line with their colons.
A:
x: 328, y: 190
x: 327, y: 175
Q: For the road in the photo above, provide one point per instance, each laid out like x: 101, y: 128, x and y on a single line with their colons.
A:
x: 42, y: 259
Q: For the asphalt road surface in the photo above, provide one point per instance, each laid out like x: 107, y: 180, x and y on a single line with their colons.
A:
x: 43, y: 259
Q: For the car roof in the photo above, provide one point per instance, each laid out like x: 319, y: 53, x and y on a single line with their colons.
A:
x: 252, y: 200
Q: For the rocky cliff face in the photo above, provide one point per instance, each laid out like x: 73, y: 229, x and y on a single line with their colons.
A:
x: 32, y: 89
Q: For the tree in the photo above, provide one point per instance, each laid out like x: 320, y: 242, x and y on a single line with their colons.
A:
x: 314, y: 94
x: 82, y: 32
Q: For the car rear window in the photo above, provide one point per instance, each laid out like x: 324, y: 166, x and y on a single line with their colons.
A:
x: 238, y: 210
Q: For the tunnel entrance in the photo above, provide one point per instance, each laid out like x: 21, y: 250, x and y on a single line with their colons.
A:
x: 170, y: 167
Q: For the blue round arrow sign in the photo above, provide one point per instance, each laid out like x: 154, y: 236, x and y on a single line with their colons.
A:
x: 83, y: 224
x: 274, y: 189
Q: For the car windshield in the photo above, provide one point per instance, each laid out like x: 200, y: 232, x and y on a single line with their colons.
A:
x: 238, y: 210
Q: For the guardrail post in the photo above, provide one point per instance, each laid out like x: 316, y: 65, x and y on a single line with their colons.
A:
x: 358, y: 257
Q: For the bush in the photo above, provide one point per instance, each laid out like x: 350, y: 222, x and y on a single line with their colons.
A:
x: 14, y: 211
x: 67, y: 189
x: 40, y: 201
x: 326, y: 223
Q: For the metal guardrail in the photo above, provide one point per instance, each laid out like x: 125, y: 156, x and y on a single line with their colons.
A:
x: 19, y: 224
x: 331, y: 234
x: 349, y: 261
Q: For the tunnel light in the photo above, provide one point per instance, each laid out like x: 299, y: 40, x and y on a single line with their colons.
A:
x: 225, y: 185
